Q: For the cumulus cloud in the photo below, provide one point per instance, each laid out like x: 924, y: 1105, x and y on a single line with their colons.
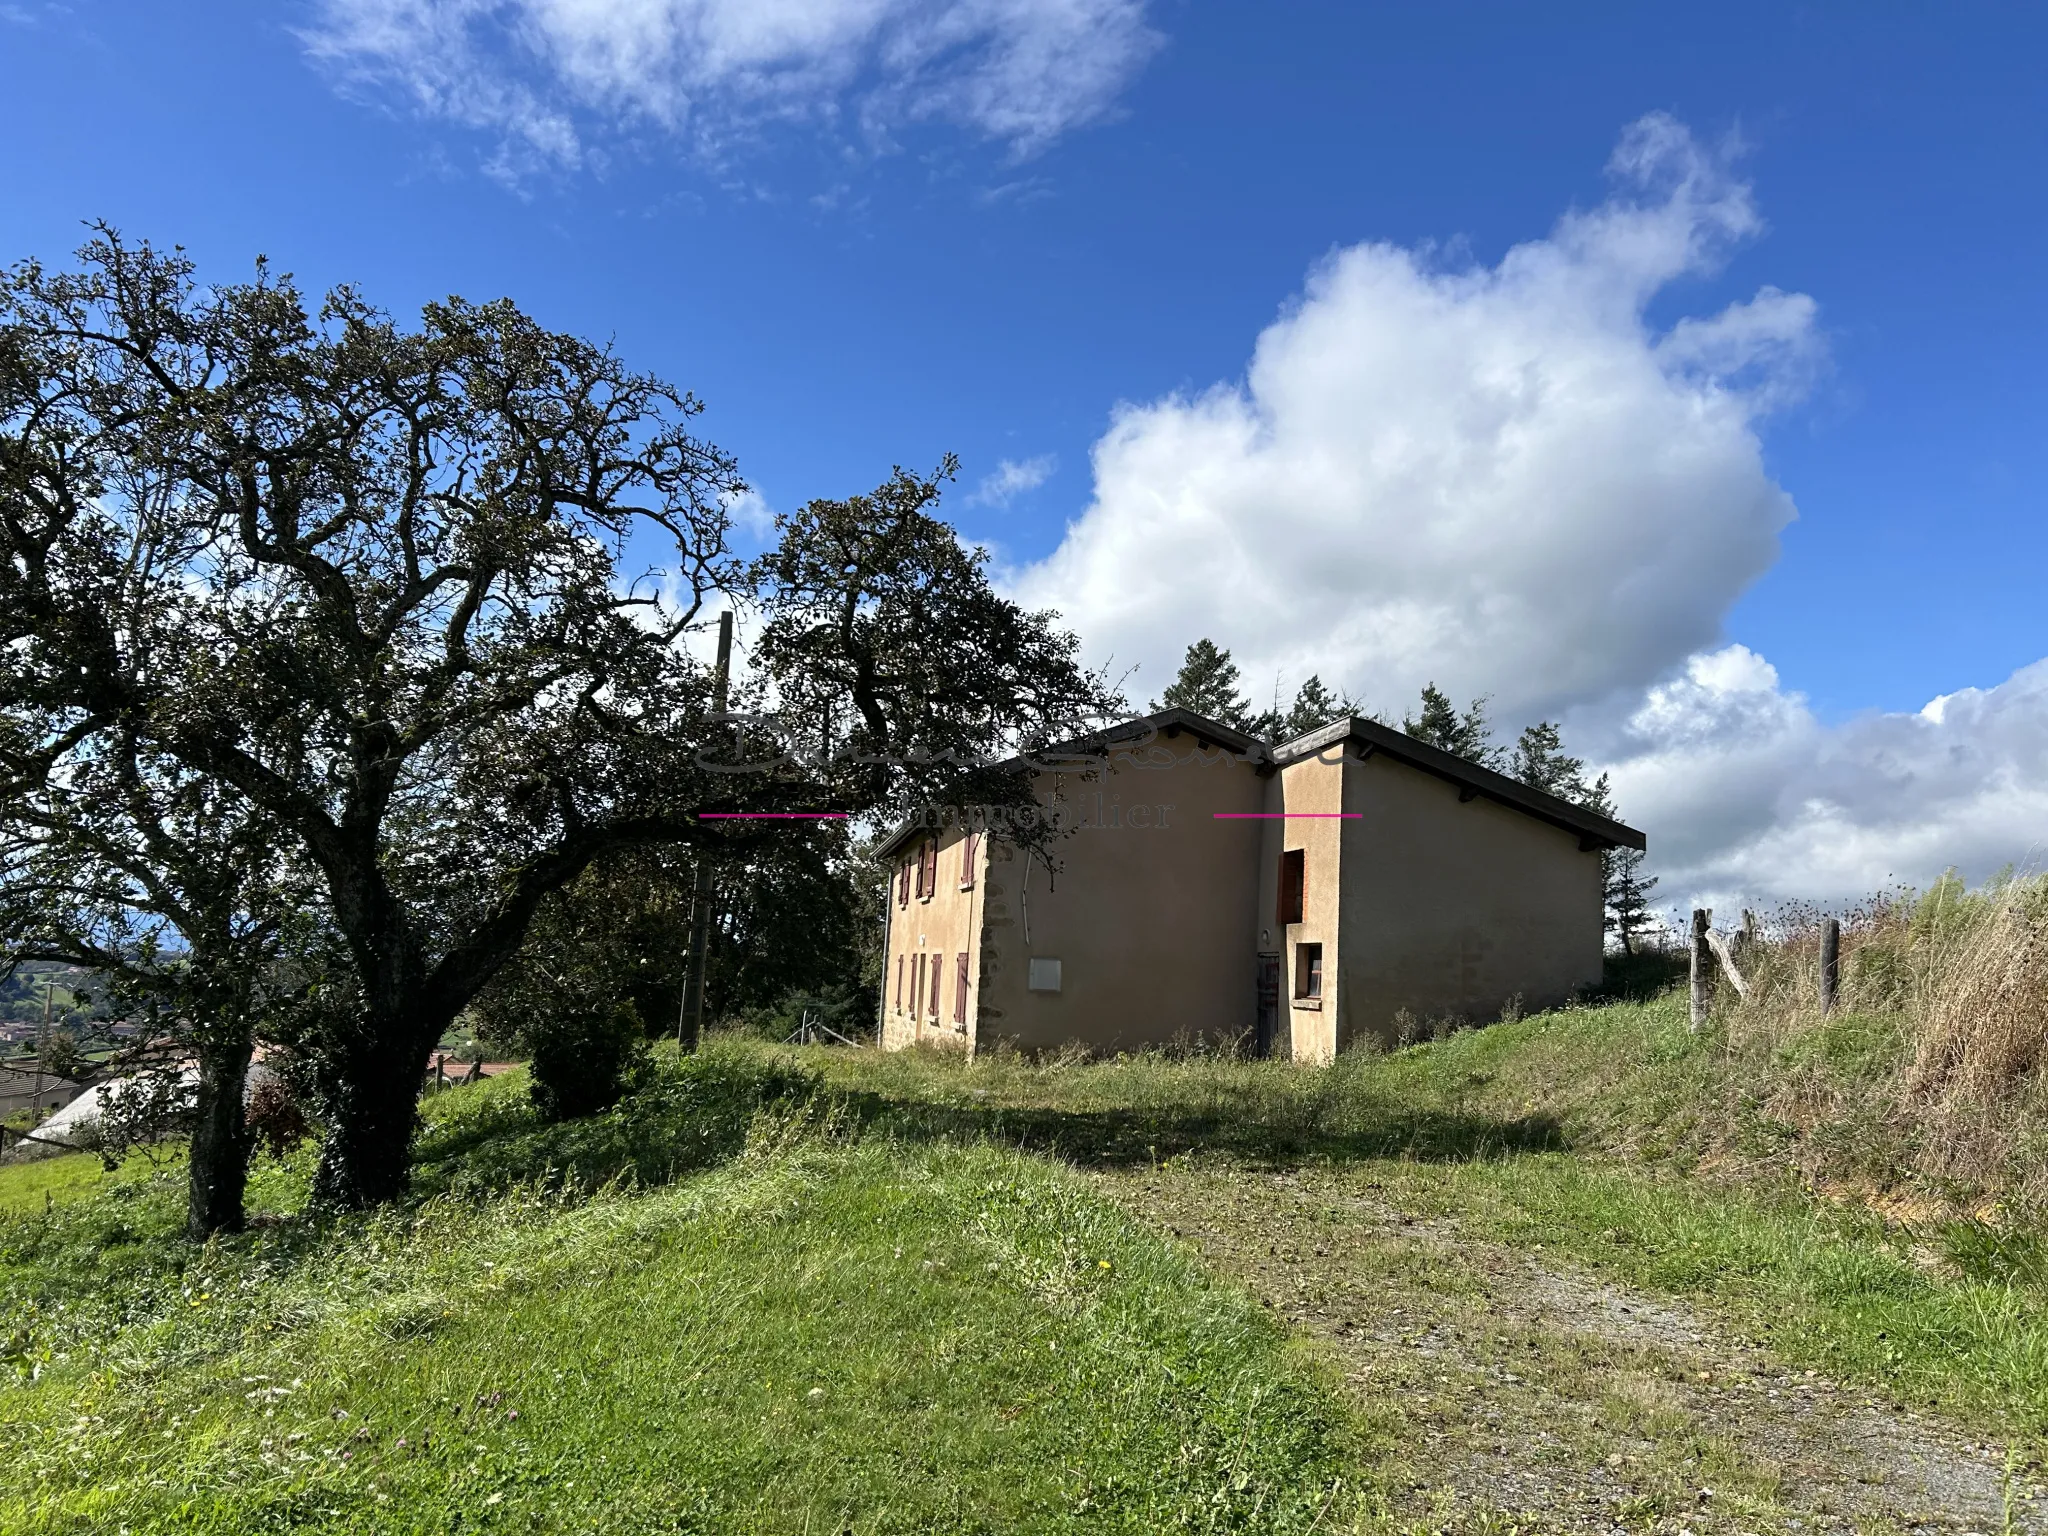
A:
x: 1502, y: 478
x: 1011, y: 478
x: 1507, y: 479
x: 1749, y: 797
x: 549, y: 75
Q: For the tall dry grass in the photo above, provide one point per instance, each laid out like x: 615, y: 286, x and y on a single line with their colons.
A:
x: 1940, y: 1037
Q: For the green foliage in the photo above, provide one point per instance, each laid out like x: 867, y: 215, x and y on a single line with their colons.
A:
x: 890, y: 666
x: 687, y: 1113
x: 1207, y: 684
x: 1315, y: 705
x: 586, y: 1049
x: 798, y: 915
x: 812, y: 1334
x: 1625, y: 893
x: 1438, y: 722
x: 850, y: 1011
x: 1540, y: 761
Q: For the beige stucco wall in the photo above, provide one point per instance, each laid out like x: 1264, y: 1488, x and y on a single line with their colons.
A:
x: 1308, y: 1031
x: 1148, y: 923
x: 1422, y: 902
x: 947, y: 922
x: 1452, y: 909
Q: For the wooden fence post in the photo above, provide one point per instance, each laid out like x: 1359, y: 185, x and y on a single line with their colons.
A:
x: 1830, y: 965
x: 1702, y: 967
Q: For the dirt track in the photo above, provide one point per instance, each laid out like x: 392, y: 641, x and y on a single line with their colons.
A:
x: 1520, y: 1394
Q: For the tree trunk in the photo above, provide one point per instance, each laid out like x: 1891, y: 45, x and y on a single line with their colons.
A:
x: 221, y: 1142
x: 373, y: 1108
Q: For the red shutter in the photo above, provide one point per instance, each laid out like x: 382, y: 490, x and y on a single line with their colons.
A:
x: 920, y: 871
x: 899, y: 977
x: 960, y: 991
x: 916, y: 983
x: 1293, y: 886
x: 967, y: 845
x: 931, y: 872
x: 937, y: 962
x: 903, y: 885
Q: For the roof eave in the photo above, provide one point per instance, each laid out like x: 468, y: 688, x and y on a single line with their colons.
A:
x: 1593, y: 829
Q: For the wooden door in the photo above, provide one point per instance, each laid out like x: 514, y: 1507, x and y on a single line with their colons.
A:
x: 1268, y: 1025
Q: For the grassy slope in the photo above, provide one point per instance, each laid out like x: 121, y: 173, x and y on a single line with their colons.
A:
x: 940, y: 1289
x: 1612, y: 1135
x: 806, y: 1333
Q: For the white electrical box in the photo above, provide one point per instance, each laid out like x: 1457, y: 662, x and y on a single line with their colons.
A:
x: 1045, y: 975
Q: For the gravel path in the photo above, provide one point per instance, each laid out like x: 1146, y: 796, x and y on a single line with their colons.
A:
x: 1513, y: 1392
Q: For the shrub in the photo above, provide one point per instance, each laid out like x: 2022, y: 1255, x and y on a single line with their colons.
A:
x: 686, y: 1113
x: 585, y: 1053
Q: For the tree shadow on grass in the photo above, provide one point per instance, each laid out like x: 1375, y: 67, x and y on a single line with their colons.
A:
x: 1114, y: 1138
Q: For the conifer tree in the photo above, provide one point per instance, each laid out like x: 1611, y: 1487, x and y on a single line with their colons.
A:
x: 1207, y: 684
x: 1439, y: 723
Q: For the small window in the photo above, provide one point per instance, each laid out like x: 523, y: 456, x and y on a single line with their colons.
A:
x: 960, y: 989
x: 928, y: 871
x: 1293, y: 885
x: 903, y: 885
x: 899, y: 976
x: 1044, y: 976
x: 916, y: 983
x: 1308, y: 970
x: 937, y: 962
x: 967, y: 847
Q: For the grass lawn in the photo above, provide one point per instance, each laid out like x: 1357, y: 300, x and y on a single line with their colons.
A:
x: 800, y: 1332
x: 831, y: 1291
x: 1609, y: 1136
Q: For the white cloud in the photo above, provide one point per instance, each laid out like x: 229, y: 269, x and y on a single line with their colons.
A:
x: 1747, y: 796
x: 1011, y: 478
x: 551, y: 74
x: 752, y: 516
x: 1507, y: 480
x: 1498, y: 478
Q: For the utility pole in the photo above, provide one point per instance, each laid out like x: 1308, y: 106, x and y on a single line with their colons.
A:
x: 35, y: 1104
x: 690, y: 1023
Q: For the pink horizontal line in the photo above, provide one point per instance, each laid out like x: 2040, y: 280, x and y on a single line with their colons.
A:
x: 769, y: 815
x: 1279, y: 815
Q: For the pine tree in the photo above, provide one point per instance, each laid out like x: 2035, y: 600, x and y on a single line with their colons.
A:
x: 1626, y: 893
x: 1315, y: 705
x: 1439, y: 724
x: 1541, y: 762
x: 1207, y: 685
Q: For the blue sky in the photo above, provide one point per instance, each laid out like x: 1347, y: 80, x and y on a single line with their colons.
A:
x: 858, y: 261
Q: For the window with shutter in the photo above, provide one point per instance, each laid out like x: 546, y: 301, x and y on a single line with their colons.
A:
x: 903, y: 885
x: 921, y: 891
x: 916, y: 983
x: 960, y: 990
x: 937, y: 962
x: 1293, y: 885
x: 931, y: 869
x: 967, y: 847
x: 899, y: 983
